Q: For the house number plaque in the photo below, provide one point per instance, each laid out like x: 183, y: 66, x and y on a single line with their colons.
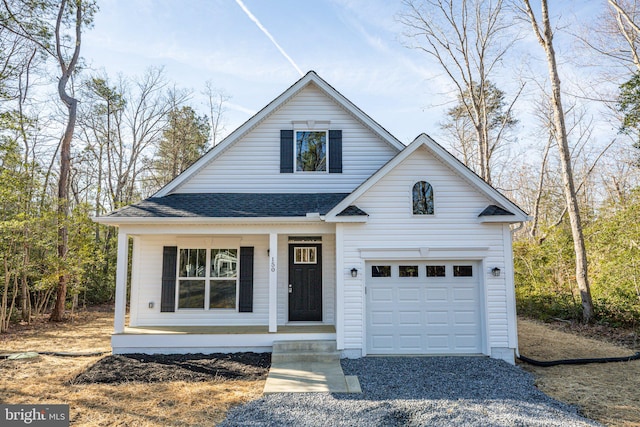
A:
x: 273, y: 264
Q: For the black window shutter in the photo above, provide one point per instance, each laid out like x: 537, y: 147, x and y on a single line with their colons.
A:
x: 245, y: 303
x: 169, y: 262
x: 335, y: 151
x: 286, y: 151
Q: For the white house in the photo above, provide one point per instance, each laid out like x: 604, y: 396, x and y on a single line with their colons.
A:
x: 311, y: 221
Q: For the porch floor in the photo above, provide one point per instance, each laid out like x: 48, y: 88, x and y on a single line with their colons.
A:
x: 229, y: 330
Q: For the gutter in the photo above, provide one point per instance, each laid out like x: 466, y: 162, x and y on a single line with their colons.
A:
x: 203, y: 220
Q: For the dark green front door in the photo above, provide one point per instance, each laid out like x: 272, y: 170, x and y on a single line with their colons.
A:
x: 305, y: 282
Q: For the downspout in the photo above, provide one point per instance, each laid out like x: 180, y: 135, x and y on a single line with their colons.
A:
x: 519, y: 227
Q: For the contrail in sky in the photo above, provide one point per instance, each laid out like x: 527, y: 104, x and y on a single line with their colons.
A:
x: 266, y: 32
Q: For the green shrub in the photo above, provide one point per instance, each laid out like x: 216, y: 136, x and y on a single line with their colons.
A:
x: 545, y: 271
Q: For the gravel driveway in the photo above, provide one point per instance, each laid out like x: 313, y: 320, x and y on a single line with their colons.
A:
x: 417, y: 391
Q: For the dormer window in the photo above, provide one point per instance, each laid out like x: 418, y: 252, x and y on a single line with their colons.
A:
x: 423, y: 198
x: 311, y: 151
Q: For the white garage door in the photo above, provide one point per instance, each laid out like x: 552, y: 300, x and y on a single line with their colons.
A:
x: 423, y: 307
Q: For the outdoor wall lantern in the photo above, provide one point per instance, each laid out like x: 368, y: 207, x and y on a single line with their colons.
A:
x: 495, y: 271
x: 150, y: 304
x: 354, y: 272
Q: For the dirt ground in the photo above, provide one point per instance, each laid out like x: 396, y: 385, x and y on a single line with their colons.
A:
x: 138, y: 390
x: 127, y: 400
x: 608, y: 392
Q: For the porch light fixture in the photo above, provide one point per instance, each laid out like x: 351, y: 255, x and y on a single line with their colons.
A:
x: 354, y: 272
x: 151, y: 304
x: 495, y: 272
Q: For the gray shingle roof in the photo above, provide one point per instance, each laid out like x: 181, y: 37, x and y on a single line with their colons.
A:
x: 493, y: 210
x: 231, y: 205
x: 353, y: 211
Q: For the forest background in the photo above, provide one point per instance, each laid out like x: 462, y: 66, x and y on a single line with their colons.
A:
x: 76, y: 142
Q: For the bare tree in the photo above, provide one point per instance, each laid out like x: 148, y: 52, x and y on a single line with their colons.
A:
x: 468, y: 39
x: 28, y: 20
x: 83, y: 11
x: 623, y: 41
x: 216, y: 100
x: 544, y: 35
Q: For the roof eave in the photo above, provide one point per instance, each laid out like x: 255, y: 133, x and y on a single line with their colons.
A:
x: 504, y: 219
x: 350, y: 219
x: 117, y: 221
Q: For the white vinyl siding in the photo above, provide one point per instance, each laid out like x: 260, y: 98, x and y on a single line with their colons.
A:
x: 252, y: 164
x: 392, y: 225
x: 147, y: 278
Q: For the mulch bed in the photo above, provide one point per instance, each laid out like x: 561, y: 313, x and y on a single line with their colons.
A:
x: 146, y: 368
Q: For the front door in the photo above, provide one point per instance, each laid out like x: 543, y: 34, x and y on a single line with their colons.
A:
x: 305, y: 282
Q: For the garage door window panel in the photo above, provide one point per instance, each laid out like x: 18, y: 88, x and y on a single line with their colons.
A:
x: 380, y: 271
x: 408, y: 271
x: 462, y: 271
x: 436, y: 271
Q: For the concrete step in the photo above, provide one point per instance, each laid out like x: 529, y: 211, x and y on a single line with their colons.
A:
x: 305, y: 351
x: 305, y: 357
x: 309, y: 346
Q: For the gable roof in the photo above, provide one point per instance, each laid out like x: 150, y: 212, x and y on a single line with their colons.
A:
x: 310, y: 78
x: 513, y: 213
x: 228, y: 205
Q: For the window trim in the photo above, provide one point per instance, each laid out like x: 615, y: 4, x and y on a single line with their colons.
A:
x: 295, y: 150
x: 207, y: 279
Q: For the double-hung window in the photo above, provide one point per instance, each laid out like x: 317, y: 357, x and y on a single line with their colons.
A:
x: 207, y: 278
x: 224, y: 278
x: 311, y: 151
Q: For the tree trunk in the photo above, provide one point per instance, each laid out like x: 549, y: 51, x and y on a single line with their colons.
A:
x: 57, y: 314
x: 546, y: 41
x: 536, y: 206
x: 63, y: 202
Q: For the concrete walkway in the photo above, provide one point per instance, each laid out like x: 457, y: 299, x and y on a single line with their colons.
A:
x: 309, y: 377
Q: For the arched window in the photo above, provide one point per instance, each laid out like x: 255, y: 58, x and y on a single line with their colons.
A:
x: 422, y: 198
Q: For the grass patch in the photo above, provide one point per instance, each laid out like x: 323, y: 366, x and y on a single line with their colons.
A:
x: 607, y: 393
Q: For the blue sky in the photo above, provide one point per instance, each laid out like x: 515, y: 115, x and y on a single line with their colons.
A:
x: 356, y: 45
x: 353, y: 44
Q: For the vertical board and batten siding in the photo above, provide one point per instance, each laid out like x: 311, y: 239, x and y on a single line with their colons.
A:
x: 252, y: 164
x: 328, y: 279
x: 455, y: 224
x: 147, y: 280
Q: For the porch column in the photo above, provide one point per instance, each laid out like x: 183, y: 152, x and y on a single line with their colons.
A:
x: 340, y: 272
x: 273, y: 282
x: 121, y: 283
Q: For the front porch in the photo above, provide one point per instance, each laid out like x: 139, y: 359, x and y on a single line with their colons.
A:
x: 212, y: 339
x: 287, y: 279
